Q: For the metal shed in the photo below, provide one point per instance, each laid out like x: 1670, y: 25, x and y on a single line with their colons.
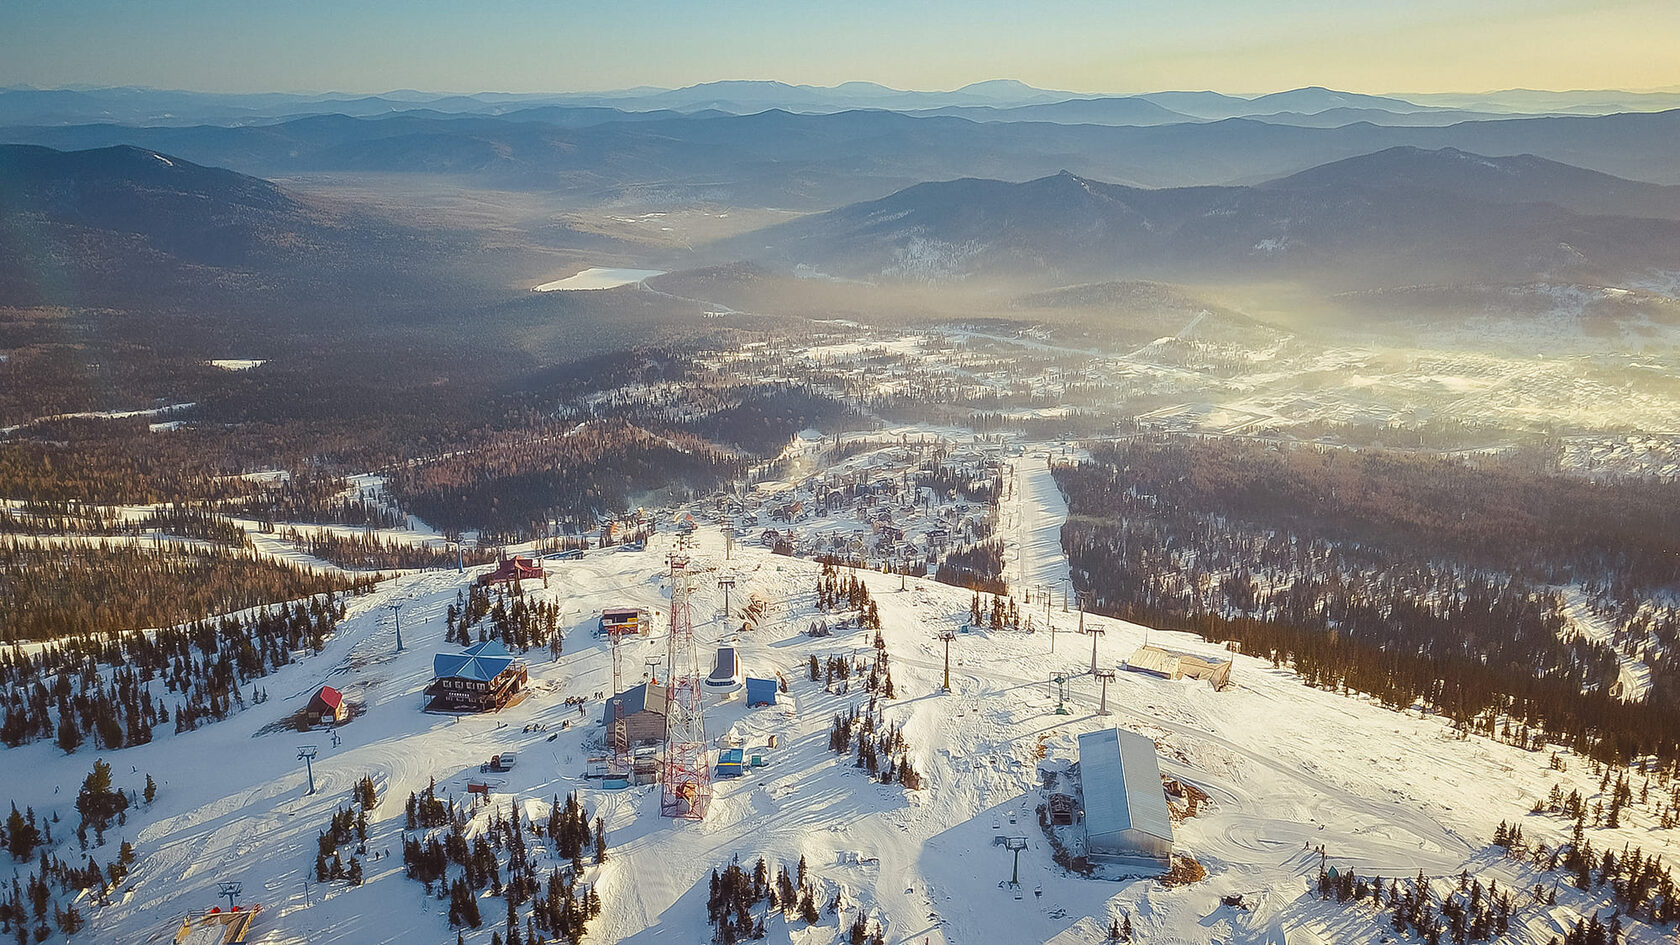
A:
x: 761, y: 691
x: 729, y: 763
x: 1126, y: 815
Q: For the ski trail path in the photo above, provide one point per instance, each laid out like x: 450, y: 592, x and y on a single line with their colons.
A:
x: 1034, y: 510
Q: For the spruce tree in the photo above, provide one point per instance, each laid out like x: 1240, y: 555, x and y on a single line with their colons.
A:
x: 69, y: 736
x: 22, y: 836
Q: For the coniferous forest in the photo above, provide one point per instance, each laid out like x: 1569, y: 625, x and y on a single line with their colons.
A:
x: 113, y: 689
x: 56, y: 591
x: 1414, y: 579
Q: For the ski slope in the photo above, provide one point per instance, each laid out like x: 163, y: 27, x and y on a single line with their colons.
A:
x: 1034, y: 510
x: 1287, y: 768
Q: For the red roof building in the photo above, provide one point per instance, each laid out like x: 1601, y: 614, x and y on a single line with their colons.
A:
x: 512, y: 571
x: 329, y: 706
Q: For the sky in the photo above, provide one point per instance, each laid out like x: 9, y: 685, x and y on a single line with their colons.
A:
x: 1236, y: 46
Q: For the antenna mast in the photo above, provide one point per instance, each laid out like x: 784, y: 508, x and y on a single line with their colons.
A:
x: 687, y: 788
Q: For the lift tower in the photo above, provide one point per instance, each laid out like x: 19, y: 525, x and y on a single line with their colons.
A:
x: 619, y: 734
x: 686, y: 791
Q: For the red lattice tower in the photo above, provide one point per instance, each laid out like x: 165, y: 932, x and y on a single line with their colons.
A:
x: 687, y: 787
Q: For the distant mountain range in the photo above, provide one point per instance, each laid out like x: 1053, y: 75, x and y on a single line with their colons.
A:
x: 819, y: 162
x: 132, y: 229
x: 128, y: 228
x: 1397, y: 217
x: 197, y: 214
x: 137, y: 106
x: 1522, y: 178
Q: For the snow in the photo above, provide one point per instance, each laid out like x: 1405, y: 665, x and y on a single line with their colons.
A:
x: 598, y: 278
x: 104, y: 415
x: 1036, y: 510
x: 1286, y: 767
x: 1583, y: 620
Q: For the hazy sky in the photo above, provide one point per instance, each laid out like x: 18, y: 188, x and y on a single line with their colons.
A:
x: 1243, y: 46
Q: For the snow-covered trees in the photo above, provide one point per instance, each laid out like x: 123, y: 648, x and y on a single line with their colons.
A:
x: 835, y: 592
x: 560, y: 907
x: 22, y: 836
x: 111, y: 589
x: 1407, y: 577
x: 366, y: 797
x: 110, y: 688
x: 97, y: 802
x: 519, y: 621
x: 729, y: 904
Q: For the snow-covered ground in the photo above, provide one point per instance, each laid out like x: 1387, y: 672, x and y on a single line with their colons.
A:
x: 1033, y: 511
x: 1287, y: 768
x: 105, y: 415
x: 598, y: 278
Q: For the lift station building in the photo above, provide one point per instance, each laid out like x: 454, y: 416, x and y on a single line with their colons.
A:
x: 1126, y: 818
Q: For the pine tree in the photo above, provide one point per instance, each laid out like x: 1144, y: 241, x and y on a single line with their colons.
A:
x: 97, y: 803
x: 69, y: 736
x: 22, y: 836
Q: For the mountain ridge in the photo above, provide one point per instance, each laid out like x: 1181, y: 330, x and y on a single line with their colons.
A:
x: 1357, y: 223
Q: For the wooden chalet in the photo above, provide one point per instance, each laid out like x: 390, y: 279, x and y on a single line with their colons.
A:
x: 641, y: 710
x: 512, y: 571
x: 483, y: 678
x: 327, y: 706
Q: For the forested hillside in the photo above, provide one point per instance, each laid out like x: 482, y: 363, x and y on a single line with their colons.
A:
x: 1408, y: 577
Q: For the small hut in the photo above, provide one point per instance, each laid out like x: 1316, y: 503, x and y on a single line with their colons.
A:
x: 761, y: 691
x: 327, y: 706
x: 730, y: 762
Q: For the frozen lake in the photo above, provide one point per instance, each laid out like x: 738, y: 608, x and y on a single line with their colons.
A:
x: 597, y: 278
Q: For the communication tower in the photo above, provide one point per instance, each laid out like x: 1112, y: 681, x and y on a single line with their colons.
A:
x: 687, y: 788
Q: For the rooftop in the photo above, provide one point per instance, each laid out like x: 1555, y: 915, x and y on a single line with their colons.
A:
x: 481, y: 661
x: 1121, y: 779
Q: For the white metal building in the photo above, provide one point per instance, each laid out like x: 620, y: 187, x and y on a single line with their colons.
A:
x: 1126, y: 817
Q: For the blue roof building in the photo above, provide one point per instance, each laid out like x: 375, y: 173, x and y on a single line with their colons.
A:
x: 1126, y: 817
x: 729, y: 762
x: 481, y: 661
x: 761, y: 691
x: 484, y: 676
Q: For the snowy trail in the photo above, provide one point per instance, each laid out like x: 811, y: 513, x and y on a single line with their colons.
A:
x: 1032, y: 531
